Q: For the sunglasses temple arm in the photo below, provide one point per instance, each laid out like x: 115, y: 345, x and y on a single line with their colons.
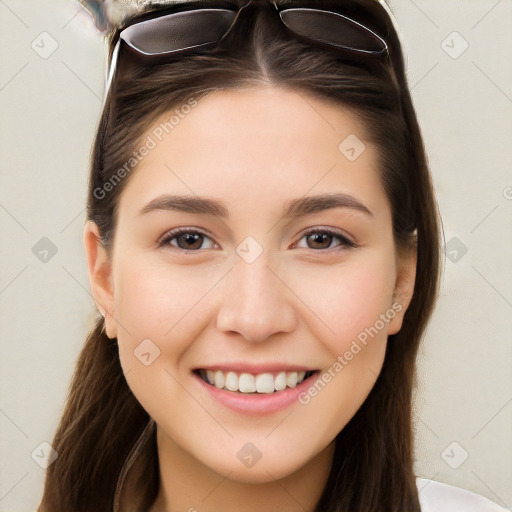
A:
x: 111, y: 71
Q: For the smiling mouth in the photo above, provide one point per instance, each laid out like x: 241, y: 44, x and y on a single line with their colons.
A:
x: 249, y: 383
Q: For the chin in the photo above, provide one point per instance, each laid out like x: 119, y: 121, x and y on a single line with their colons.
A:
x: 275, y: 466
x: 261, y: 473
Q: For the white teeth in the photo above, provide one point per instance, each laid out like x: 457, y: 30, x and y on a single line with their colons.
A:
x: 291, y: 379
x: 265, y: 383
x: 246, y: 383
x: 210, y: 375
x: 249, y: 383
x: 280, y: 381
x: 232, y: 381
x: 220, y: 380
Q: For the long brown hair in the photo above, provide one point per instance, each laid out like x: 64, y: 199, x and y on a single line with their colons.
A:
x: 103, y: 428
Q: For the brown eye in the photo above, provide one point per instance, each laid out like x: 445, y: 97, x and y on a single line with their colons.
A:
x: 189, y: 241
x: 320, y: 240
x: 323, y: 240
x: 186, y: 239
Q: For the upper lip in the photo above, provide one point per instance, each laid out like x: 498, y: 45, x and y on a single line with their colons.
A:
x: 256, y: 368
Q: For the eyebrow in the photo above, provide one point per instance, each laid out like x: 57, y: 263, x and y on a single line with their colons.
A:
x: 293, y: 208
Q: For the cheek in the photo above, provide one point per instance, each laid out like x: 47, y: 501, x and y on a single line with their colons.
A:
x: 162, y: 303
x: 347, y: 299
x: 152, y: 298
x: 354, y: 334
x: 157, y: 306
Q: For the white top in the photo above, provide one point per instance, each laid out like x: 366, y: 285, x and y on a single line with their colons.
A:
x: 438, y: 497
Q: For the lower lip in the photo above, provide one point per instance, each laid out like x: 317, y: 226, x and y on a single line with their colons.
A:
x: 257, y: 403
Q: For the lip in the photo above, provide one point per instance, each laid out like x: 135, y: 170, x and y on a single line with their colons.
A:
x: 256, y: 368
x: 256, y: 404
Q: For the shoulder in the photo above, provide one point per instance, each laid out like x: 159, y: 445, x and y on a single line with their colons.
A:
x: 439, y: 497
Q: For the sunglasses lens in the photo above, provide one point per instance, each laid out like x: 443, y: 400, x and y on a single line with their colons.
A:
x: 178, y: 31
x: 332, y: 29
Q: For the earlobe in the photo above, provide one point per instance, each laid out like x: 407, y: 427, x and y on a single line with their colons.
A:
x: 404, y: 288
x: 100, y: 276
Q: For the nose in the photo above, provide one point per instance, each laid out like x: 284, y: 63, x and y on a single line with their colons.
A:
x: 255, y: 301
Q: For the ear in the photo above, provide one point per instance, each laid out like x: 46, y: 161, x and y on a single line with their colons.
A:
x: 100, y: 276
x: 404, y: 286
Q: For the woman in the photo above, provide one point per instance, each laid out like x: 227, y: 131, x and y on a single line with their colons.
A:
x: 263, y: 245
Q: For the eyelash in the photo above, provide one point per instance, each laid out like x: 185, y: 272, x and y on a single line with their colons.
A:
x: 344, y: 241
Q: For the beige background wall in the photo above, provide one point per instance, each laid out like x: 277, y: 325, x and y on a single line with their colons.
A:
x: 49, y: 105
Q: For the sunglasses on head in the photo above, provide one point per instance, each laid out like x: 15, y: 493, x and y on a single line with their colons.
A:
x: 188, y: 28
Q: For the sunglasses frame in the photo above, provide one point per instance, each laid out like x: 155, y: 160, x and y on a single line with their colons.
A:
x: 123, y: 38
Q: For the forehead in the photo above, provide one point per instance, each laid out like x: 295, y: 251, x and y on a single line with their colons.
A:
x: 254, y: 143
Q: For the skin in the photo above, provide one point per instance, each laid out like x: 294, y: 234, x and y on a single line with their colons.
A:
x: 298, y: 302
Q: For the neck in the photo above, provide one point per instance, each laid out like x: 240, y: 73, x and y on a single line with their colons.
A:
x: 188, y: 485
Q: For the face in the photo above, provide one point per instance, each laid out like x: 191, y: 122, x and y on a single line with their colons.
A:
x: 252, y: 291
